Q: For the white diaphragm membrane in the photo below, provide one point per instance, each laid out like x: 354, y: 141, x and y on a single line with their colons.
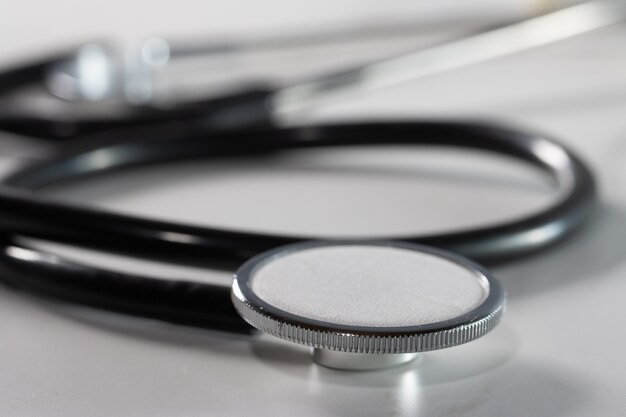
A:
x: 365, y: 285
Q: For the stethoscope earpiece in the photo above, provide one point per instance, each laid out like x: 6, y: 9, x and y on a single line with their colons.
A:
x: 367, y: 305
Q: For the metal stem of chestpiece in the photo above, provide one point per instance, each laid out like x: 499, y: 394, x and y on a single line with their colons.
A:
x: 367, y: 305
x: 359, y: 361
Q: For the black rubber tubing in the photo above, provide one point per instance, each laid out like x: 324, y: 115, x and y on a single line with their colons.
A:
x: 235, y: 125
x: 23, y: 213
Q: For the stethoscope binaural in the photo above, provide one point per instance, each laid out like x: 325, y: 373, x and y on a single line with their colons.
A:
x: 244, y: 124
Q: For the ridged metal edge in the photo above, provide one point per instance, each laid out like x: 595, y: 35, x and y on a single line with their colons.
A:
x: 367, y: 343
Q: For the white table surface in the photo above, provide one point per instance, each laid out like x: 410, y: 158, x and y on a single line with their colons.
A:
x: 558, y: 351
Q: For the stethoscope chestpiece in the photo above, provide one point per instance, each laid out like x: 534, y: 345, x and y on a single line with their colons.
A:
x: 367, y: 305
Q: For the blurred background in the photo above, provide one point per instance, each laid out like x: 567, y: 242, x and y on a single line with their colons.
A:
x: 279, y: 41
x: 59, y: 360
x: 68, y: 22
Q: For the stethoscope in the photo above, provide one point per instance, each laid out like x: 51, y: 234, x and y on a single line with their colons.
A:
x: 244, y: 123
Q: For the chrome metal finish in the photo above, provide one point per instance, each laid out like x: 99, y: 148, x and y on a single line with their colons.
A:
x: 99, y: 72
x: 91, y: 75
x: 359, y: 361
x: 530, y: 33
x: 361, y: 341
x: 376, y: 341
